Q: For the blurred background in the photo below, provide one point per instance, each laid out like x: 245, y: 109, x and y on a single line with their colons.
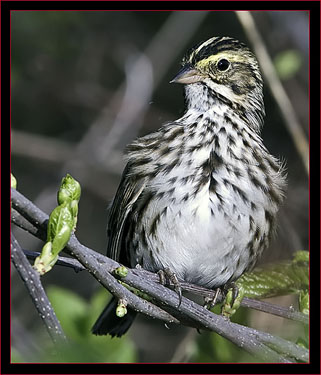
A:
x: 84, y: 84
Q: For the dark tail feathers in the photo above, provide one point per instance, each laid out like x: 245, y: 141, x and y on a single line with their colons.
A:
x: 109, y: 323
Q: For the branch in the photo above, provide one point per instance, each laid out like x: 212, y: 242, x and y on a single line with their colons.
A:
x: 263, y: 306
x: 277, y: 310
x: 102, y: 268
x: 62, y: 261
x: 31, y: 279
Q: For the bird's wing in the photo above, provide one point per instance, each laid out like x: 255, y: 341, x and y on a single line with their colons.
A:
x: 129, y: 190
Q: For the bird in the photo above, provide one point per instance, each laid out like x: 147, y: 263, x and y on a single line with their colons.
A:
x: 200, y: 195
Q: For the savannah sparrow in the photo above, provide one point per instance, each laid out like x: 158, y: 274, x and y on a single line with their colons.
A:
x: 199, y: 196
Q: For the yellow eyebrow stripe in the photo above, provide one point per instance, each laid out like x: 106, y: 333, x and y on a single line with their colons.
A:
x: 212, y: 59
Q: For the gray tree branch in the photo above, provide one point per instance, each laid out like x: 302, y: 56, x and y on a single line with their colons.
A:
x: 31, y: 279
x: 255, y: 342
x: 263, y: 306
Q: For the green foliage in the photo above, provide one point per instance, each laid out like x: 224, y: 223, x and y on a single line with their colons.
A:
x: 121, y: 309
x: 291, y: 276
x: 13, y: 182
x: 288, y: 63
x: 62, y: 222
x: 278, y: 279
x: 304, y: 304
x: 232, y: 303
x: 121, y: 271
x: 77, y: 316
x: 69, y: 190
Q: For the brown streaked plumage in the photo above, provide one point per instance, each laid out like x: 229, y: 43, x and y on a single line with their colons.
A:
x: 200, y: 195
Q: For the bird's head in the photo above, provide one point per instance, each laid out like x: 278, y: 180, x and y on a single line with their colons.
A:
x: 222, y: 70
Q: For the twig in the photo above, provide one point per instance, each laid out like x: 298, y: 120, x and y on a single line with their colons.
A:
x: 28, y: 210
x: 33, y: 284
x: 245, y: 337
x: 101, y: 268
x: 23, y: 223
x: 263, y: 306
x: 271, y: 308
x: 246, y: 302
x: 89, y: 259
x: 62, y: 261
x: 281, y: 98
x: 39, y: 218
x: 102, y: 273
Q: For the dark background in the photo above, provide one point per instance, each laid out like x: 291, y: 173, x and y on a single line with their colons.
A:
x: 79, y: 96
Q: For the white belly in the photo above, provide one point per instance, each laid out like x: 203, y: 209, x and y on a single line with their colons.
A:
x: 199, y: 241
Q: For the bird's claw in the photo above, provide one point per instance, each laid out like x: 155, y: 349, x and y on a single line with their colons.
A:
x: 167, y: 275
x: 210, y: 302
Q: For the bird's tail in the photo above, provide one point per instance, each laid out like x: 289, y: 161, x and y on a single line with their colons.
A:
x: 109, y: 323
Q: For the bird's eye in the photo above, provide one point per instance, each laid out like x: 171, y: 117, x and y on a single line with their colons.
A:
x: 223, y: 65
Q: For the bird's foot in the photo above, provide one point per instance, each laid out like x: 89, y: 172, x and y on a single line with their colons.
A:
x: 167, y: 276
x: 210, y: 302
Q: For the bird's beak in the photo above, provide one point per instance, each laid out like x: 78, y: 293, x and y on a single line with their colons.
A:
x: 187, y: 75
